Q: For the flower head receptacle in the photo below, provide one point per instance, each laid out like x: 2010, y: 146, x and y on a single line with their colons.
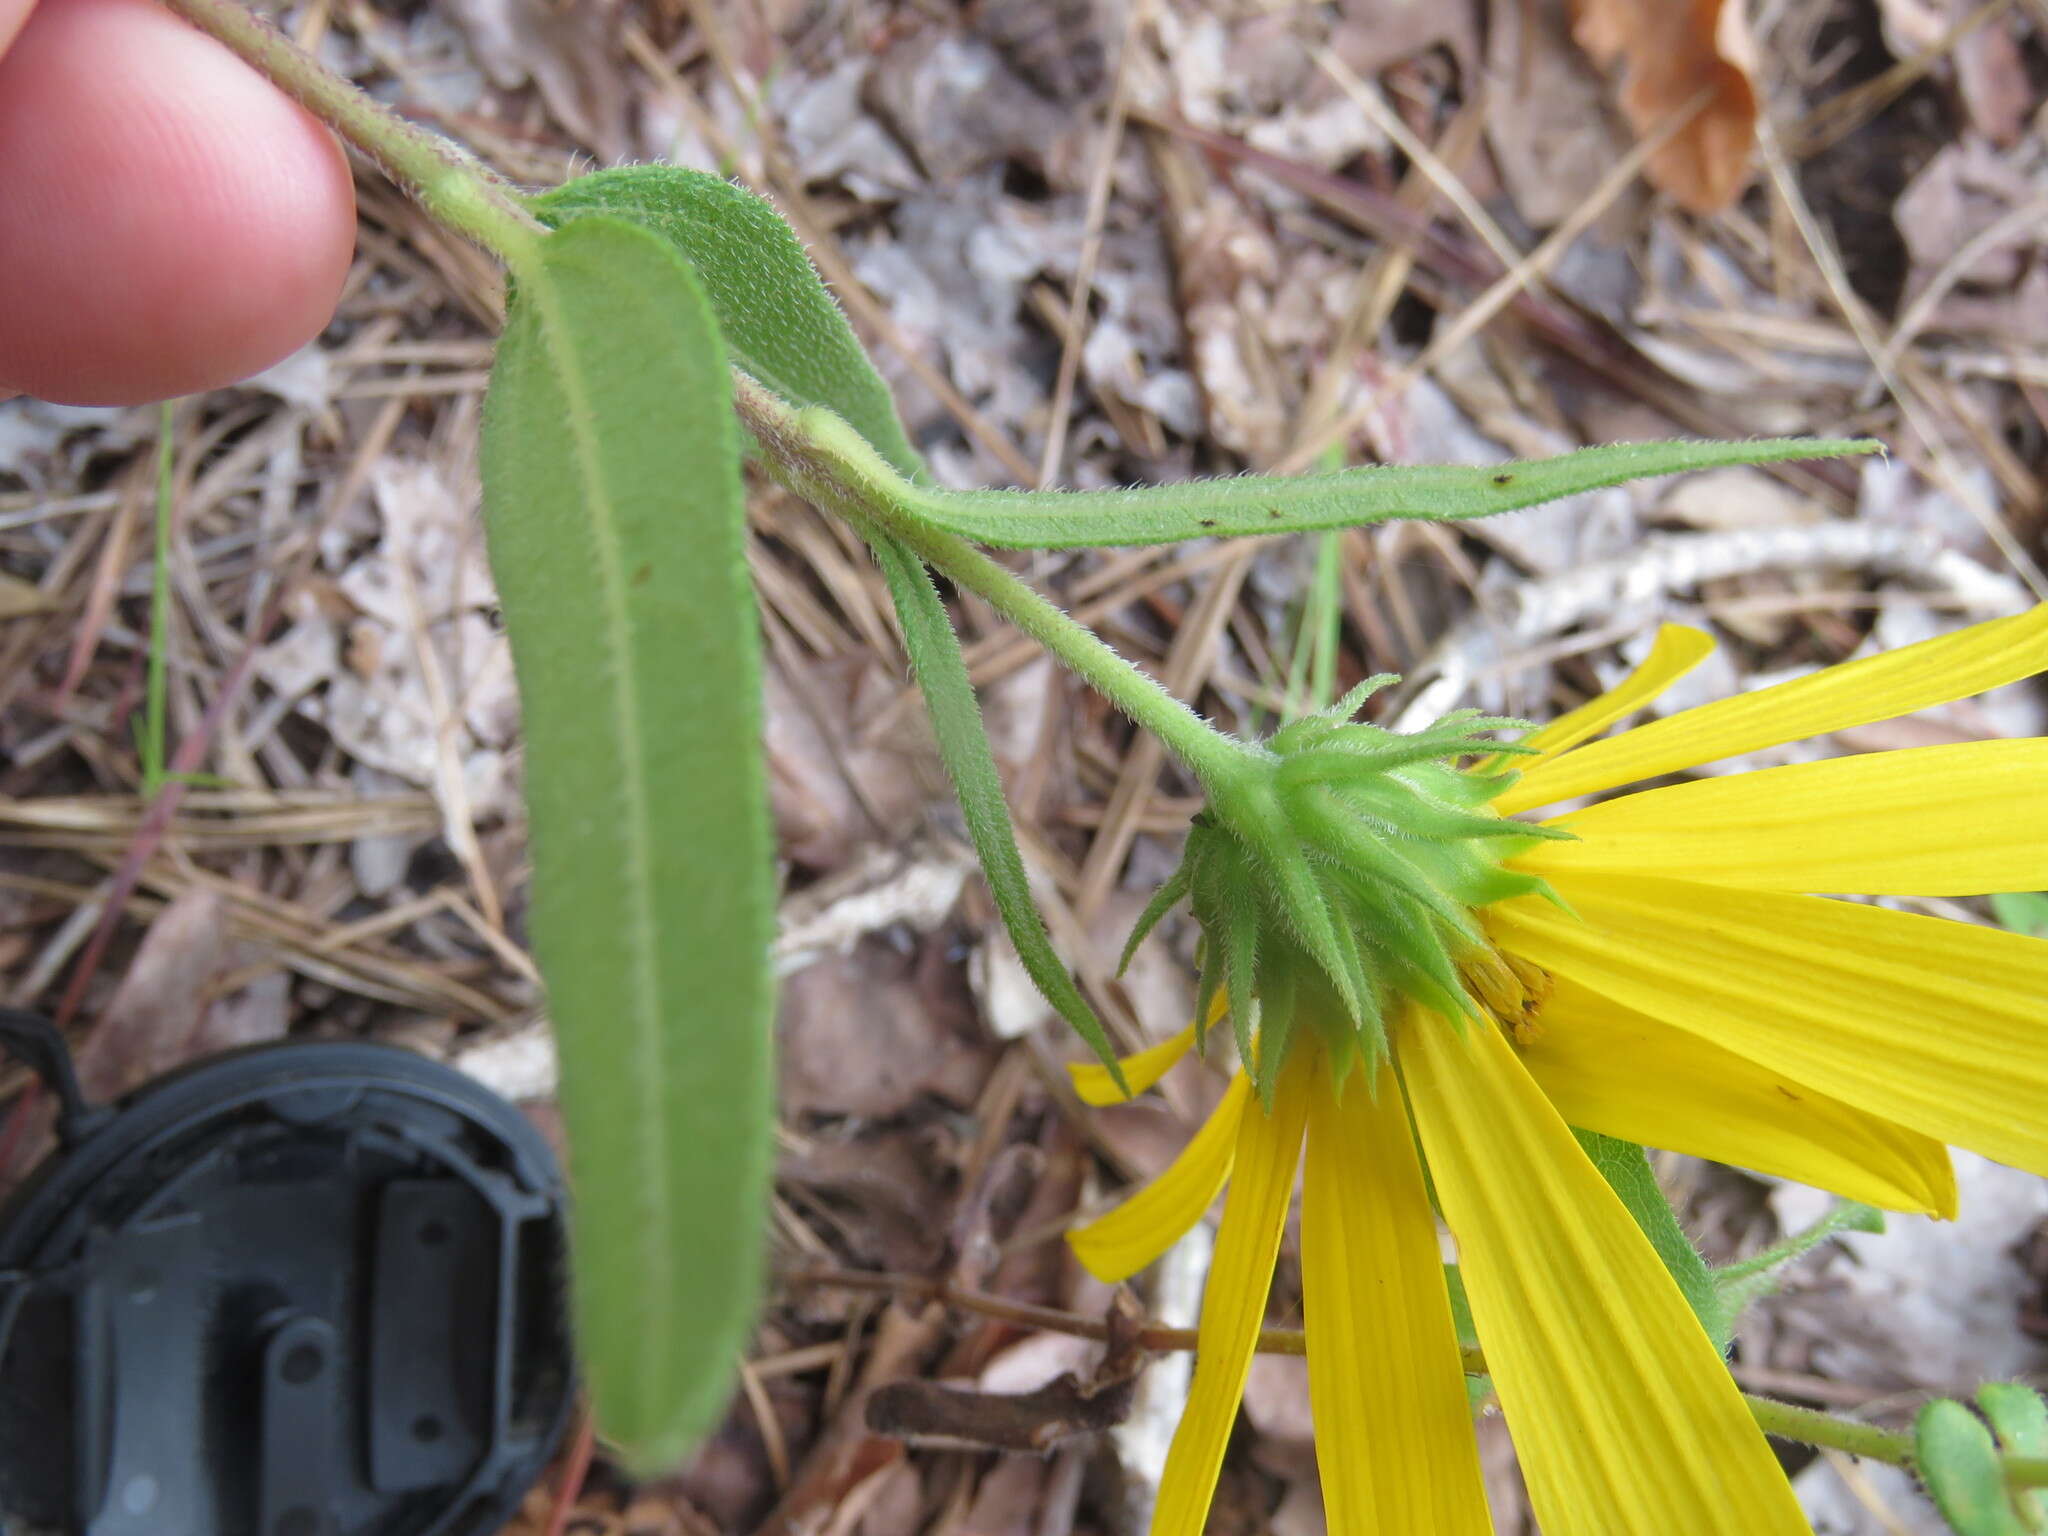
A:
x: 1673, y: 981
x: 1352, y: 865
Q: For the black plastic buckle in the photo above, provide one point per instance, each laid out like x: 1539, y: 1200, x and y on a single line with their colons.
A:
x: 310, y: 1289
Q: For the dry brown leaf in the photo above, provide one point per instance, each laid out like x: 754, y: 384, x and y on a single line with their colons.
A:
x: 886, y: 1186
x: 1007, y: 1500
x: 1672, y: 51
x: 956, y: 105
x: 164, y: 1013
x: 1059, y: 46
x: 871, y: 1031
x: 157, y: 1016
x: 1991, y: 79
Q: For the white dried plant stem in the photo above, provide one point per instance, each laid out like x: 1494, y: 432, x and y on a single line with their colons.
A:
x: 1142, y: 1441
x: 1644, y: 582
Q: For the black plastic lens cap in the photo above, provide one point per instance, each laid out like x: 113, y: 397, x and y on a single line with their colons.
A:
x: 299, y: 1290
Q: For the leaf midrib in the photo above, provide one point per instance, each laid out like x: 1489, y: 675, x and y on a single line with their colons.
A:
x: 645, y: 1012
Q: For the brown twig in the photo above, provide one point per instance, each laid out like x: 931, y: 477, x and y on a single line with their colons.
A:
x: 1152, y: 1337
x: 575, y: 1468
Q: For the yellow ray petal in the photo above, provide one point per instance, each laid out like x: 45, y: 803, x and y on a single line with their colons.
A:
x: 1123, y: 1240
x: 1678, y: 649
x: 1610, y: 1069
x: 1234, y: 1301
x: 1626, y: 1421
x: 1394, y: 1437
x: 1939, y: 1026
x: 1097, y: 1088
x: 1855, y: 693
x: 1957, y: 820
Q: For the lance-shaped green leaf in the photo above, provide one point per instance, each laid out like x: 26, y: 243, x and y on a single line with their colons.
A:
x: 963, y: 745
x: 1257, y: 504
x: 778, y: 318
x: 785, y: 329
x: 1627, y: 1172
x: 615, y: 523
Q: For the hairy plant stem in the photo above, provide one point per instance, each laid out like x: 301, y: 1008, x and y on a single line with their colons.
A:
x: 458, y: 190
x: 1812, y: 1427
x: 822, y: 459
x: 1219, y: 761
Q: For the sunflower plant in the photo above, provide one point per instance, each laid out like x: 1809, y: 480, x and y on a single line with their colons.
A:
x: 1448, y: 1007
x: 1441, y: 991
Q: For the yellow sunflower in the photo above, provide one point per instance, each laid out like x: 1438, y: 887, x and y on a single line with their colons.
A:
x: 1669, y: 974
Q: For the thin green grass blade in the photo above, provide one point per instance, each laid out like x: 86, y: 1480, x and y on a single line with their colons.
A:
x: 151, y: 745
x: 778, y: 318
x: 1348, y: 498
x: 2022, y: 912
x: 615, y: 521
x: 1478, y: 1389
x: 970, y: 763
x: 1312, y: 668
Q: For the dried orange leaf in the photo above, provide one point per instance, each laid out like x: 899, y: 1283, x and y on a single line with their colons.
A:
x: 1672, y: 51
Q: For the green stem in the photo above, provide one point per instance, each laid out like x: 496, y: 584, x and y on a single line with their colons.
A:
x: 1812, y: 1427
x: 458, y: 190
x: 1216, y: 759
x: 2026, y: 1471
x: 825, y: 461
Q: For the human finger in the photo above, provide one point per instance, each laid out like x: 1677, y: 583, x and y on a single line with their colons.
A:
x: 169, y: 222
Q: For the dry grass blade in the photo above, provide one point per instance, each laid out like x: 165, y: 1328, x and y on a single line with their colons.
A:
x: 1915, y: 412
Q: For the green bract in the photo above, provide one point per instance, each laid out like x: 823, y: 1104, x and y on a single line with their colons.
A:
x: 1349, y: 858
